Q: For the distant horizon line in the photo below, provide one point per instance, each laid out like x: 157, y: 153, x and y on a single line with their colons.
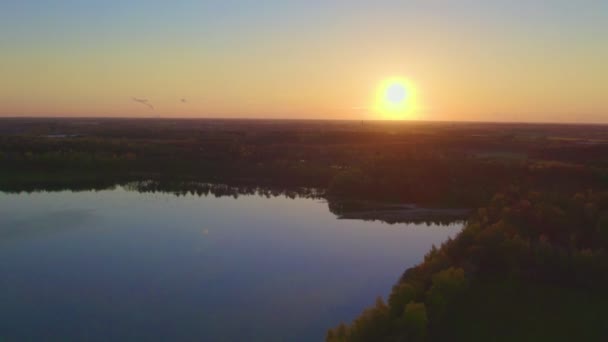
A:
x: 304, y: 119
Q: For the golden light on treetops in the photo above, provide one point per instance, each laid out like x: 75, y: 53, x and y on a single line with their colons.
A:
x: 396, y: 99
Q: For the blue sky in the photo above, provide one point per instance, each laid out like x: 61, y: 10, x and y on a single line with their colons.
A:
x: 527, y: 43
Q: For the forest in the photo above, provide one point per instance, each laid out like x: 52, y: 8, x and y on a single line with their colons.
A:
x: 431, y: 164
x: 532, y: 260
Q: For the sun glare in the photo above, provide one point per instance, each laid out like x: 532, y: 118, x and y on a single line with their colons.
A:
x: 396, y: 100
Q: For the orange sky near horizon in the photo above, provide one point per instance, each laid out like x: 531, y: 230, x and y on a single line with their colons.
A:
x: 325, y: 60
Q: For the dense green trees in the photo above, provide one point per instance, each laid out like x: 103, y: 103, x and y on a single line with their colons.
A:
x: 406, y: 316
x: 415, y: 322
x: 555, y: 240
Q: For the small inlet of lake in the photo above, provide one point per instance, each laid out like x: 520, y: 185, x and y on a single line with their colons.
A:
x: 125, y: 265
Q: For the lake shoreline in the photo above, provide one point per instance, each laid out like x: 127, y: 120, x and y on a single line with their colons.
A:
x: 408, y: 215
x: 395, y: 212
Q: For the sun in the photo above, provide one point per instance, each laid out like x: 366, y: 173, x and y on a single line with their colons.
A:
x: 396, y: 99
x: 396, y: 94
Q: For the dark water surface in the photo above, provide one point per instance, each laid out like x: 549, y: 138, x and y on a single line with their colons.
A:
x: 124, y: 265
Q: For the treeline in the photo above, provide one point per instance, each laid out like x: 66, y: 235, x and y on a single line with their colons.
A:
x: 436, y: 165
x: 538, y: 242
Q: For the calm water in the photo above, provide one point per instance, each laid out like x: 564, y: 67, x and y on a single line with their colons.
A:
x: 124, y: 265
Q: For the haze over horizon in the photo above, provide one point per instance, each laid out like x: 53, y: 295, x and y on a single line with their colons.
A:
x: 524, y: 61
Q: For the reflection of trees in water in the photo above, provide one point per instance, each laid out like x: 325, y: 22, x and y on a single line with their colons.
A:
x: 428, y: 221
x: 61, y: 185
x: 389, y: 213
x: 341, y: 207
x: 393, y: 213
x: 219, y: 190
x: 177, y: 188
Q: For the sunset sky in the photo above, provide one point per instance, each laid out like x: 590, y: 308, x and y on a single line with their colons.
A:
x: 464, y: 60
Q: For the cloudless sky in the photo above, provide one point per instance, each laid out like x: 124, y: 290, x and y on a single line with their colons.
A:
x: 468, y: 60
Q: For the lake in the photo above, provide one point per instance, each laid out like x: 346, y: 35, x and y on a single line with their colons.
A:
x: 120, y: 264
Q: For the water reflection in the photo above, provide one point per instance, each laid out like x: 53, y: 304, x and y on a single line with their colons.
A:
x: 24, y: 227
x: 153, y: 261
x: 343, y: 208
